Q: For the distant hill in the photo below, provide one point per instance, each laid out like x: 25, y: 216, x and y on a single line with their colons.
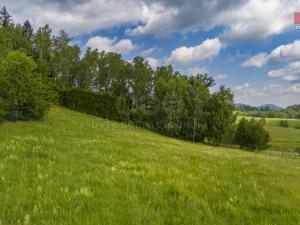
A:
x: 269, y: 111
x: 269, y: 107
x: 245, y: 107
x: 266, y: 107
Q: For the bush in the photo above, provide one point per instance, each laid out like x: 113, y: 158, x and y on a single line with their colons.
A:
x: 251, y: 135
x: 24, y: 94
x: 298, y: 151
x: 98, y: 104
x: 263, y: 121
x: 284, y: 123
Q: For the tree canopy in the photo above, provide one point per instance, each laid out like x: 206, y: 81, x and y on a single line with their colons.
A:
x: 161, y: 99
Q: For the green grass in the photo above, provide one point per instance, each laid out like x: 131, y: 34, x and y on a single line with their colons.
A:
x: 283, y: 139
x: 78, y: 169
x: 293, y: 123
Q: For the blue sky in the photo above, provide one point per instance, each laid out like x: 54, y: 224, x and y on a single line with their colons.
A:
x: 247, y: 45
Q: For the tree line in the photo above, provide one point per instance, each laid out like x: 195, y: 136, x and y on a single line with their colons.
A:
x: 291, y: 112
x: 37, y: 67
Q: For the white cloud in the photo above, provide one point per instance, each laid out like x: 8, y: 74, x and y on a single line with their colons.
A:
x: 241, y: 87
x: 258, y: 60
x: 243, y: 19
x: 284, y: 53
x: 187, y: 55
x: 281, y: 94
x: 153, y: 62
x: 290, y: 73
x: 158, y: 20
x: 290, y: 78
x: 221, y: 77
x: 198, y: 70
x: 110, y: 45
x: 257, y: 19
x: 79, y: 16
x: 150, y: 51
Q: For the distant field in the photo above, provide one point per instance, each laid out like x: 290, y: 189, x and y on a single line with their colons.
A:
x: 283, y: 139
x: 275, y: 122
x: 78, y: 169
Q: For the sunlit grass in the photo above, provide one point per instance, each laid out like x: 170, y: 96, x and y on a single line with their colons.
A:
x: 282, y: 139
x: 78, y: 169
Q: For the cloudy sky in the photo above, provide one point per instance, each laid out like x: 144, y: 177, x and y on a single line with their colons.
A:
x: 247, y: 45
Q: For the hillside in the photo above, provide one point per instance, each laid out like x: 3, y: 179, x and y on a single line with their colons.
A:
x: 79, y: 169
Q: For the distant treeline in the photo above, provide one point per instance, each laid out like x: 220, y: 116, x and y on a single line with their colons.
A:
x: 35, y: 67
x: 291, y: 112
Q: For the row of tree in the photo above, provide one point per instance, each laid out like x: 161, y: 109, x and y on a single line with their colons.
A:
x: 33, y: 64
x: 291, y: 112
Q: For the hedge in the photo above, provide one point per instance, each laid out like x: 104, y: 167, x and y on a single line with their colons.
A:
x: 97, y: 104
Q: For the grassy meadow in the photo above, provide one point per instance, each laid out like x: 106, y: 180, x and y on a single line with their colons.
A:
x: 78, y: 169
x: 283, y: 139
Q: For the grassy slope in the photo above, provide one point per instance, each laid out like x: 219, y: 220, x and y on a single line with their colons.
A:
x: 78, y: 169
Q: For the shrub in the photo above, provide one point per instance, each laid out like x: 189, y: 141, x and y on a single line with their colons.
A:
x: 251, y: 135
x: 98, y: 104
x: 263, y: 121
x: 298, y: 151
x: 24, y: 94
x: 284, y: 123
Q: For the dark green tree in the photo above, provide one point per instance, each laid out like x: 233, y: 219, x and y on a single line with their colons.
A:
x: 25, y: 93
x: 251, y: 135
x: 220, y: 117
x: 88, y: 69
x: 27, y: 29
x: 5, y: 17
x: 65, y: 61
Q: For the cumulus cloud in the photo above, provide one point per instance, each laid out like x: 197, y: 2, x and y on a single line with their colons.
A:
x: 257, y: 19
x: 187, y: 55
x: 243, y: 20
x: 79, y: 16
x: 123, y: 46
x: 150, y: 51
x: 284, y: 53
x: 290, y: 73
x: 258, y: 60
x: 281, y: 94
x: 221, y: 77
x: 153, y: 62
x: 198, y: 70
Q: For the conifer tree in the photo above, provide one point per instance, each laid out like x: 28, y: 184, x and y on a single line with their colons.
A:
x: 5, y: 17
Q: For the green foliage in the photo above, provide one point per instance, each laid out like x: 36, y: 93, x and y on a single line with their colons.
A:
x: 284, y: 123
x: 263, y: 121
x: 98, y: 104
x: 220, y: 117
x: 25, y: 94
x: 162, y: 100
x: 27, y: 29
x: 291, y: 112
x: 251, y: 135
x: 298, y: 151
x: 5, y: 17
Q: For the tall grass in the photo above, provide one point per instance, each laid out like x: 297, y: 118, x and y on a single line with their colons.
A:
x: 78, y: 169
